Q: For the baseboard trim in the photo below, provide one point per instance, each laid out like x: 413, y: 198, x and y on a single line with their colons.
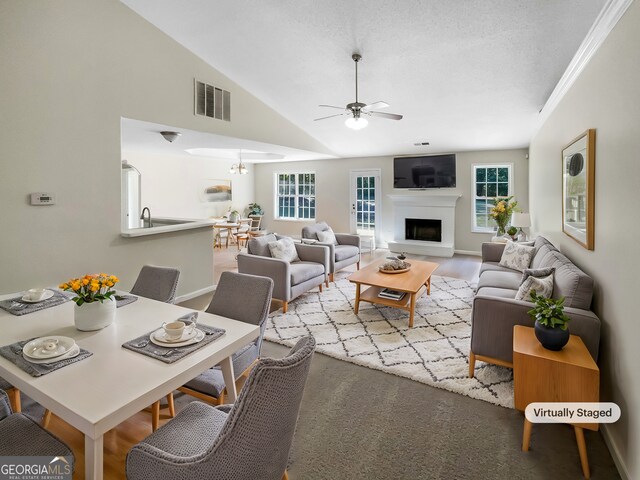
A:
x: 468, y: 252
x: 615, y: 453
x: 195, y: 293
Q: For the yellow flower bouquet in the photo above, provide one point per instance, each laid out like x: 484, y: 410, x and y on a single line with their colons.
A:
x: 501, y: 212
x: 91, y: 288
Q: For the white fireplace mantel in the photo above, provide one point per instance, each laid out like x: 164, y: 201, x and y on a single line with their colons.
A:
x: 424, y: 205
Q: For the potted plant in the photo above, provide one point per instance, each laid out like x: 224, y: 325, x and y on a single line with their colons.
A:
x: 551, y: 322
x: 501, y: 213
x: 95, y: 306
x: 512, y: 232
x: 234, y: 216
x: 255, y: 209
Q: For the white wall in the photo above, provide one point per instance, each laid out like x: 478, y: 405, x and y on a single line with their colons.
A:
x: 606, y: 96
x: 172, y: 185
x: 333, y: 202
x: 70, y: 70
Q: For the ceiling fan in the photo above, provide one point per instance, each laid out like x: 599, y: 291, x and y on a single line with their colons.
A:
x: 356, y: 110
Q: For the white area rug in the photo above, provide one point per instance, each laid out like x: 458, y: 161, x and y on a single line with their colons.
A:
x: 435, y: 351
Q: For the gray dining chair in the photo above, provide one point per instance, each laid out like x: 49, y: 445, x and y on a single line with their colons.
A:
x: 247, y: 441
x: 13, y: 393
x: 158, y: 283
x: 245, y: 298
x: 20, y: 435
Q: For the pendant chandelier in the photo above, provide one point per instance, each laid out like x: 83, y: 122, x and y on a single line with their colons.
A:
x: 239, y: 168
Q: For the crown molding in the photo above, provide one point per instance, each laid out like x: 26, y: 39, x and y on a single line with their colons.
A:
x: 612, y: 11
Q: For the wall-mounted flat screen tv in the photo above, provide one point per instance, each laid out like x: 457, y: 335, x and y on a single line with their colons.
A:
x: 432, y: 171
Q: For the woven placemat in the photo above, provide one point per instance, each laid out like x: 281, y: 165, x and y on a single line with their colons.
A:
x: 13, y: 353
x: 16, y: 306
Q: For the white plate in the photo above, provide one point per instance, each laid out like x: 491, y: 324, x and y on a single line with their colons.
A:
x: 47, y: 294
x: 74, y: 352
x: 48, y: 347
x: 162, y: 336
x: 198, y: 338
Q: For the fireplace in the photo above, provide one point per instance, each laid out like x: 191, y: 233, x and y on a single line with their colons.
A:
x: 423, y: 229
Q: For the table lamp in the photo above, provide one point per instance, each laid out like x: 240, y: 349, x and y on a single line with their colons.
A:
x: 520, y: 221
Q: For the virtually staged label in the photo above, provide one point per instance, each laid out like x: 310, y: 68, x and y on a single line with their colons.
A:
x: 572, y: 412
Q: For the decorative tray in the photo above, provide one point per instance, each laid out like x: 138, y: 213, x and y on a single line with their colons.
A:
x: 395, y: 271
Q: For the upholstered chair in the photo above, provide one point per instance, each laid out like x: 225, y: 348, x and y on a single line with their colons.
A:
x: 245, y: 298
x: 158, y: 283
x: 345, y: 252
x: 20, y: 435
x: 247, y: 441
x: 290, y: 279
x: 13, y: 393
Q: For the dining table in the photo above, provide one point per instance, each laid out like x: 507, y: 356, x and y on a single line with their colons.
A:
x: 232, y: 229
x: 101, y: 391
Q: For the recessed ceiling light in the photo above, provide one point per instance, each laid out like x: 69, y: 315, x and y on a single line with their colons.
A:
x: 421, y: 144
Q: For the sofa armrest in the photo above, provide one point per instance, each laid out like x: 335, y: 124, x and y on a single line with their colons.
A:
x: 348, y: 239
x: 273, y: 268
x: 314, y: 253
x: 493, y: 319
x: 332, y: 254
x: 492, y: 251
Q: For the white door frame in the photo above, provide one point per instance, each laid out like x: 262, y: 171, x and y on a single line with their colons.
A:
x: 371, y: 172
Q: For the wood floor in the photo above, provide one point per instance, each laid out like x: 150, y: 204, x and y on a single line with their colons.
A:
x: 119, y: 441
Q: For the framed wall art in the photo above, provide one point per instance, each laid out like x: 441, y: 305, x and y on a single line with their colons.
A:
x: 578, y: 189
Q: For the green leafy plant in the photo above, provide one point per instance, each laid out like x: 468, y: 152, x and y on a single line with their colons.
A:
x: 512, y: 231
x: 255, y: 209
x: 549, y: 312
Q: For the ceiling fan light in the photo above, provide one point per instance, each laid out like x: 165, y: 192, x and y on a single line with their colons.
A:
x: 356, y: 123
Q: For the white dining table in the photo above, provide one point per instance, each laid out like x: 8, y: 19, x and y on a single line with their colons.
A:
x: 98, y: 393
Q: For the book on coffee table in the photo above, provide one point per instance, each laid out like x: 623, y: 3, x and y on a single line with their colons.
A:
x: 391, y: 294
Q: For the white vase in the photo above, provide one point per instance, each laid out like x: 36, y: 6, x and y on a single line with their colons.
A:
x: 94, y: 315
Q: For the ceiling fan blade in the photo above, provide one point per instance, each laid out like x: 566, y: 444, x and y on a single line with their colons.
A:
x: 330, y: 116
x: 375, y: 105
x: 332, y: 106
x: 390, y: 116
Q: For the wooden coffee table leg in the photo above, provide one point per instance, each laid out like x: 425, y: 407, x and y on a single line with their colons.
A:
x: 412, y: 309
x: 582, y: 449
x: 429, y: 286
x: 357, y: 306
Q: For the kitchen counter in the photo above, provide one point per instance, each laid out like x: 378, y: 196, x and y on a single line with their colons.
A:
x: 166, y: 225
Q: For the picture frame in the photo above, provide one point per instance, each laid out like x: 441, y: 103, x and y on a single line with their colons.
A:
x: 578, y: 189
x: 216, y: 190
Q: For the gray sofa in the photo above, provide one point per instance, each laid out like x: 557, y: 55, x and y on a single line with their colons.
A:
x: 495, y: 310
x: 345, y: 253
x: 289, y: 279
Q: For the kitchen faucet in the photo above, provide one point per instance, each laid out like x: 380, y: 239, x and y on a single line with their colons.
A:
x: 146, y: 223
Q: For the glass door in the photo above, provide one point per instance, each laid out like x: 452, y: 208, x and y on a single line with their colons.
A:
x: 365, y: 194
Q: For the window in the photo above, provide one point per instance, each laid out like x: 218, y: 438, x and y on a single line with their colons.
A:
x: 489, y: 182
x: 296, y: 196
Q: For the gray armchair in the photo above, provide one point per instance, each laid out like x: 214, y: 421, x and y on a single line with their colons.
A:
x: 289, y: 279
x: 247, y: 441
x: 20, y: 435
x: 245, y: 298
x: 345, y: 253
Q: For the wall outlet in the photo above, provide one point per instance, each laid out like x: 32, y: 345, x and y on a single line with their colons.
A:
x: 43, y: 199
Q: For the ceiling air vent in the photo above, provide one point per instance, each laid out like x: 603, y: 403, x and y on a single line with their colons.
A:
x: 212, y: 101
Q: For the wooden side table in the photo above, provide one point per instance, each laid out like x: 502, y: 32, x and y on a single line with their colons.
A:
x: 541, y: 375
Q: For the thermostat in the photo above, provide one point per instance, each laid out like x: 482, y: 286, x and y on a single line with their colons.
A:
x: 43, y: 199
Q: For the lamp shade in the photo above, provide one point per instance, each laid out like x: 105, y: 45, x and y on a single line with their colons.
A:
x: 520, y: 220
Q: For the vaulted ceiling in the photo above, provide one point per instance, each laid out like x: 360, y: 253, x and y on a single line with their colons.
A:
x: 466, y: 75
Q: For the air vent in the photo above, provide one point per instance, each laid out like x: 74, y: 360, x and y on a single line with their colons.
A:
x: 212, y: 101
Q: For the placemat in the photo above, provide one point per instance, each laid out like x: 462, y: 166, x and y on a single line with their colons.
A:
x: 13, y: 353
x: 122, y: 300
x: 16, y: 306
x: 144, y: 345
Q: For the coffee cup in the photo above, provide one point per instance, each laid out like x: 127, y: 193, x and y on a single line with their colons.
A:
x: 36, y: 294
x: 173, y: 330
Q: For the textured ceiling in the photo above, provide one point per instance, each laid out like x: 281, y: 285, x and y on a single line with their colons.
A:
x: 466, y: 75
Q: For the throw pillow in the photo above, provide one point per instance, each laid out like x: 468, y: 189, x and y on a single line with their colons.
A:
x: 537, y: 272
x: 516, y: 256
x: 327, y: 236
x: 284, y: 249
x: 543, y: 286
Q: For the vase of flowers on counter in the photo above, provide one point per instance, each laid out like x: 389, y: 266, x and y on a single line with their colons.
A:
x: 95, y: 306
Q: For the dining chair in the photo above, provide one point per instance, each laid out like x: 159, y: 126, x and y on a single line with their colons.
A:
x: 13, y: 393
x: 20, y: 435
x: 158, y: 283
x: 242, y: 235
x: 245, y: 441
x: 245, y: 298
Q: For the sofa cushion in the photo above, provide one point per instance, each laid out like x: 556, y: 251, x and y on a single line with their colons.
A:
x: 517, y: 256
x: 260, y: 245
x: 342, y: 252
x: 510, y: 280
x: 311, y: 231
x: 543, y: 286
x: 541, y: 242
x: 494, y: 267
x: 497, y: 292
x: 284, y: 249
x: 303, y: 271
x: 544, y: 257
